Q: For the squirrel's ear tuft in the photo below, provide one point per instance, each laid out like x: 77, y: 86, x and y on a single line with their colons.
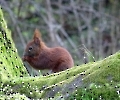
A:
x: 37, y: 37
x: 37, y: 33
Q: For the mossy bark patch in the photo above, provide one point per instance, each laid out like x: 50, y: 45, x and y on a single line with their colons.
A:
x: 10, y: 63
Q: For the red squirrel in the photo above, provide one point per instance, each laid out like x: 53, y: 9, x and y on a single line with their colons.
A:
x: 41, y: 57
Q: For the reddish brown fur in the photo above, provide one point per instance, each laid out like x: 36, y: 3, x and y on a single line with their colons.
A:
x: 42, y: 57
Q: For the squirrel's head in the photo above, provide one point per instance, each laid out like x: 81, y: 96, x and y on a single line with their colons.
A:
x: 33, y: 47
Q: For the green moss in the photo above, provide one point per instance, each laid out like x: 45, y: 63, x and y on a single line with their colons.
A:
x: 10, y: 63
x: 96, y: 92
x: 14, y: 78
x: 104, y: 71
x: 16, y: 96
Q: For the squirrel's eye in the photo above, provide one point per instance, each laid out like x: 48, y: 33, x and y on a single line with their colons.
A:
x: 30, y: 48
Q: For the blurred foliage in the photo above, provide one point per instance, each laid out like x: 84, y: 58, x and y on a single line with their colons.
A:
x: 66, y: 23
